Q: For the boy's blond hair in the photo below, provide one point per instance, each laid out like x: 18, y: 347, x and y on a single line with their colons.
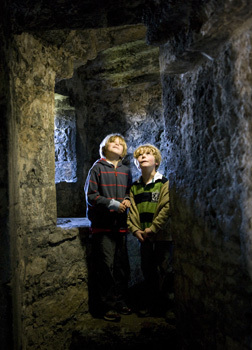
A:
x: 110, y: 138
x: 148, y: 148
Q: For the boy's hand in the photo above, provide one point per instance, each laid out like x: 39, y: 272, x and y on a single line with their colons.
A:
x: 126, y: 202
x: 140, y: 236
x: 124, y: 205
x: 122, y: 208
x: 148, y: 232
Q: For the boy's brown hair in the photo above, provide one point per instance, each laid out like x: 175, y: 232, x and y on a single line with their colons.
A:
x: 148, y: 148
x: 110, y: 138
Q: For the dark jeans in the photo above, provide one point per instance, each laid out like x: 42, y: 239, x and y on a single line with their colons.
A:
x: 109, y: 273
x: 156, y: 263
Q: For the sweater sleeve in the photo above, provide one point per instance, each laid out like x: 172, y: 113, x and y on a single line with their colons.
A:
x: 93, y: 196
x: 160, y: 220
x: 129, y: 183
x: 133, y: 219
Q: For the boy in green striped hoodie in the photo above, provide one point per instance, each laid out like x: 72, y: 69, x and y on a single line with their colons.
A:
x: 148, y: 221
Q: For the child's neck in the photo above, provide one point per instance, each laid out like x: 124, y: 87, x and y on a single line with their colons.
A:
x: 113, y: 160
x: 148, y: 175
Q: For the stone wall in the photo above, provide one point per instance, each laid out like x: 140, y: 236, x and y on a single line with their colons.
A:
x: 205, y: 60
x: 64, y: 140
x: 49, y: 267
x: 207, y: 98
x: 5, y: 256
x: 56, y: 289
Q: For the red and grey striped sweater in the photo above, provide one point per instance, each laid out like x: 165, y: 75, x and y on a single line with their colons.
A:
x: 106, y: 186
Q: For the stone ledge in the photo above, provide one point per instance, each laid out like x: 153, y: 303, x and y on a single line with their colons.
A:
x: 73, y: 222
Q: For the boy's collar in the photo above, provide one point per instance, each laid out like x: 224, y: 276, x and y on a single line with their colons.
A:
x: 156, y: 177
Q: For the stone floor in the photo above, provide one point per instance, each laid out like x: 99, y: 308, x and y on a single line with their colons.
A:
x: 130, y: 333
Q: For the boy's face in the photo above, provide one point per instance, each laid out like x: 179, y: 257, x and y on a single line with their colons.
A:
x: 114, y: 148
x: 146, y: 159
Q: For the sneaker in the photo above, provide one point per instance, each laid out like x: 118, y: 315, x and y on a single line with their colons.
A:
x: 144, y: 313
x: 125, y: 310
x: 112, y: 316
x: 170, y: 317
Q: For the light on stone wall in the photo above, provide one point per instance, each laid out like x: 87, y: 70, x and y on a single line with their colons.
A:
x: 64, y: 140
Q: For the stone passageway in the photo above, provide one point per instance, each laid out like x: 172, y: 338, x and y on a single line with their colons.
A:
x: 176, y: 73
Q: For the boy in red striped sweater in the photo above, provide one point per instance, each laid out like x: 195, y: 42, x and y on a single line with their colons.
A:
x: 107, y: 197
